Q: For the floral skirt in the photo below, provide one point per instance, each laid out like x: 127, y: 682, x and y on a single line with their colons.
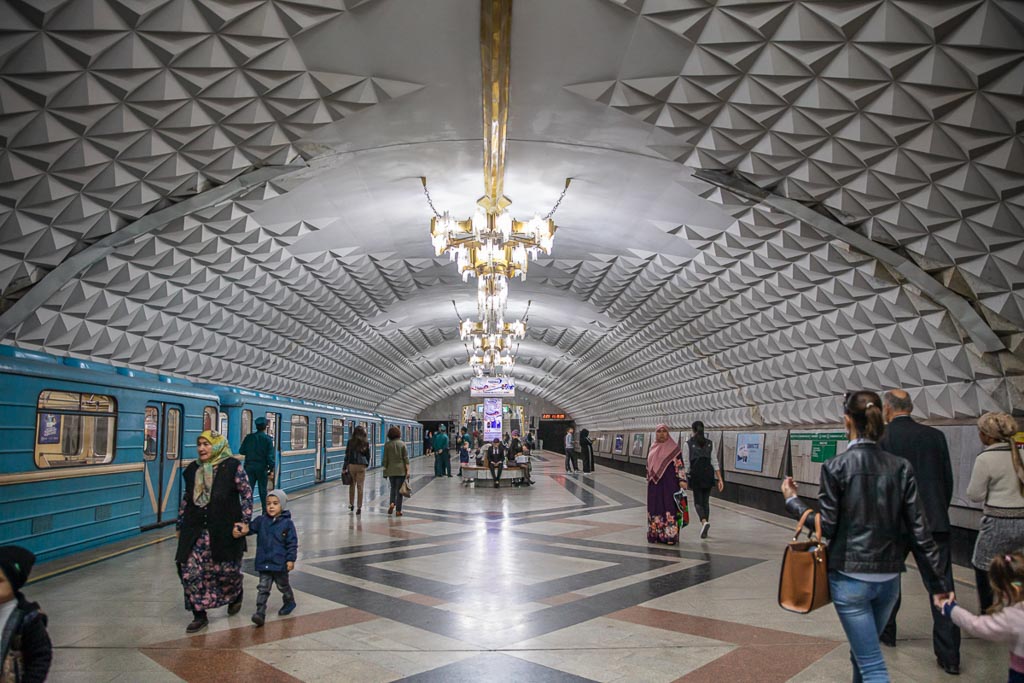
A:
x: 209, y: 584
x: 663, y: 520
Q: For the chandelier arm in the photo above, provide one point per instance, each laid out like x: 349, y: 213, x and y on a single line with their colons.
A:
x: 553, y: 208
x: 430, y: 200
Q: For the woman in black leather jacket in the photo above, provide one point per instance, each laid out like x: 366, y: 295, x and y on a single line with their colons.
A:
x: 869, y: 511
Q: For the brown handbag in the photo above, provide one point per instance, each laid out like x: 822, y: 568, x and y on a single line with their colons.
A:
x: 803, y: 580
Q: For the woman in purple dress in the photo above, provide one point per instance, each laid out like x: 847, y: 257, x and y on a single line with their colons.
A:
x: 217, y: 497
x: 665, y: 476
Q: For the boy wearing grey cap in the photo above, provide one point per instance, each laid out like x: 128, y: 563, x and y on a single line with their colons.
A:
x: 277, y: 546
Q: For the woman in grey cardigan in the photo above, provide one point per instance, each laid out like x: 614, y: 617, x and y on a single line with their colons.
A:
x: 997, y: 480
x: 396, y: 467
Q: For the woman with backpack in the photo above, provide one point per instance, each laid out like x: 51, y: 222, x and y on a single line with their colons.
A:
x: 702, y: 474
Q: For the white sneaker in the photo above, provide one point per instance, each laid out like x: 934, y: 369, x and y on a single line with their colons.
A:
x: 704, y: 528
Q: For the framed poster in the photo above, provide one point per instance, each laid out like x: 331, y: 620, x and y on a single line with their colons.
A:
x: 492, y: 387
x: 750, y: 452
x: 818, y: 446
x: 49, y: 428
x: 619, y: 445
x: 492, y: 419
x: 637, y: 449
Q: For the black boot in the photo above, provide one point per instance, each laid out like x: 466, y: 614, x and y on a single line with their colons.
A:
x: 198, y: 623
x: 236, y: 606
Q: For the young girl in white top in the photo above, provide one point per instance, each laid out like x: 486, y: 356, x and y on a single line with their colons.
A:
x: 1004, y: 622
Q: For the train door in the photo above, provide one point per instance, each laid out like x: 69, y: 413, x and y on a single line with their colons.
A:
x: 161, y: 453
x: 321, y: 448
x: 274, y: 432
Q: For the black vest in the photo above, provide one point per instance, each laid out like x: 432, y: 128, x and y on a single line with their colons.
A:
x: 219, y: 515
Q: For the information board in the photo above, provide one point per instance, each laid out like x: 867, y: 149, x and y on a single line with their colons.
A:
x: 484, y: 387
x: 492, y: 419
x: 750, y: 452
x: 818, y: 446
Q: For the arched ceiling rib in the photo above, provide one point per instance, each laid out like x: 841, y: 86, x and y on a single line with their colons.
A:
x: 665, y: 298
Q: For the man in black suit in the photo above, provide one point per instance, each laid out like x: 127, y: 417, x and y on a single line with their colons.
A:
x: 925, y: 447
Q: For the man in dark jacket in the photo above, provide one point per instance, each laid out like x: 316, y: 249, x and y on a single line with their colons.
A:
x: 496, y: 460
x: 258, y: 449
x: 25, y: 648
x: 926, y: 450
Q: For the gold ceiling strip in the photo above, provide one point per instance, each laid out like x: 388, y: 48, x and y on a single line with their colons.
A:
x: 495, y: 60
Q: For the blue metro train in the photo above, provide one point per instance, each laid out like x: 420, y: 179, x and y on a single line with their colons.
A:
x: 91, y: 453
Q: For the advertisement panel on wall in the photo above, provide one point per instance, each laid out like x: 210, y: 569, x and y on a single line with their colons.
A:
x: 750, y: 452
x: 492, y: 418
x: 493, y: 387
x: 619, y: 445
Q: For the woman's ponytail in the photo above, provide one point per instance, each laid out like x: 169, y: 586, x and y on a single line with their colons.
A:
x: 865, y: 411
x: 699, y: 438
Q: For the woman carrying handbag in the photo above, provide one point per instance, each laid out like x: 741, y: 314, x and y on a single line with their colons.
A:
x: 866, y: 497
x: 396, y: 469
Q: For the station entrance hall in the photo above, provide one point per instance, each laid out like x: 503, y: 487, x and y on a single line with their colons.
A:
x: 632, y: 341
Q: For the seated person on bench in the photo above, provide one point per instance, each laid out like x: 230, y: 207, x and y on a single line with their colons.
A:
x: 496, y: 459
x: 517, y: 456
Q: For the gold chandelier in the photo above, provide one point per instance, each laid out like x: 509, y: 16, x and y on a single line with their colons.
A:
x: 492, y: 245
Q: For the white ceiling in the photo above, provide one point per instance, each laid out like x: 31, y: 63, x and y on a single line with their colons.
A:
x: 664, y: 298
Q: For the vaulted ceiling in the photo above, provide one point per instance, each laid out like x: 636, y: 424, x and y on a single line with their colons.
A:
x: 773, y: 202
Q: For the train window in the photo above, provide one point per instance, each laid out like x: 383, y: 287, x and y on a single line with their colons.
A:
x: 150, y: 433
x: 209, y: 418
x: 300, y: 431
x: 173, y: 437
x: 246, y: 423
x: 74, y: 429
x: 337, y: 432
x: 222, y: 420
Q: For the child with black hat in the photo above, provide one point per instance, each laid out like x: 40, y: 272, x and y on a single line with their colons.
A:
x: 25, y: 649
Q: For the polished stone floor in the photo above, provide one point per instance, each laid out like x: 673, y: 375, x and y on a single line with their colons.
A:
x: 551, y: 583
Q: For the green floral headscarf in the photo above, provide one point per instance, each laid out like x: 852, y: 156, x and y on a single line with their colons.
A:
x: 204, y: 475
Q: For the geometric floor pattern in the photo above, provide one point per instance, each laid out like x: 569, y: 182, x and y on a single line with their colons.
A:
x: 551, y: 583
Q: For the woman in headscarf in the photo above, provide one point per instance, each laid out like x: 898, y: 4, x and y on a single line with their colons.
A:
x: 587, y: 450
x: 665, y: 476
x: 217, y: 498
x: 997, y: 480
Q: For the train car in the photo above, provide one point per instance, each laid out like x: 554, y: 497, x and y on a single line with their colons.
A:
x: 309, y: 437
x: 89, y: 453
x: 412, y: 434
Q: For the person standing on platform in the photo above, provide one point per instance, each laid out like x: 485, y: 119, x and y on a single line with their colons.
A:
x: 702, y: 473
x: 357, y: 459
x: 530, y: 442
x: 428, y: 442
x: 217, y: 496
x: 997, y: 480
x: 442, y: 459
x: 587, y: 450
x: 925, y: 449
x: 277, y: 548
x: 866, y: 496
x: 258, y: 449
x: 464, y: 444
x: 396, y: 468
x: 570, y: 451
x: 25, y: 648
x: 665, y: 476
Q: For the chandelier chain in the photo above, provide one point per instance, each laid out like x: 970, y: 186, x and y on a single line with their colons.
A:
x: 430, y: 200
x: 557, y: 203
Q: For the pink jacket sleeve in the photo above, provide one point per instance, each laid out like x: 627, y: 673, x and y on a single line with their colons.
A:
x: 1000, y: 627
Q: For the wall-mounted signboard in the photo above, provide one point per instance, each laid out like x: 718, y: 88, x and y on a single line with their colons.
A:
x: 553, y: 416
x: 750, y: 452
x: 492, y: 419
x: 818, y: 446
x: 492, y: 387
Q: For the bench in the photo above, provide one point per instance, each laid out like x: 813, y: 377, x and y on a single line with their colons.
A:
x: 471, y: 473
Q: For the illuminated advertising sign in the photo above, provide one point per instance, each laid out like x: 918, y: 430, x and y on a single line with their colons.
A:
x: 492, y: 419
x: 492, y: 387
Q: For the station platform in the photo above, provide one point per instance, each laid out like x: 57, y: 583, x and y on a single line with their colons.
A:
x: 555, y: 582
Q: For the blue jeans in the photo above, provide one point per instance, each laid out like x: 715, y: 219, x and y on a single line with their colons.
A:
x: 863, y: 608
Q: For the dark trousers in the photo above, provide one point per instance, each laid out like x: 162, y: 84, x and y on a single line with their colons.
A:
x: 985, y: 597
x: 396, y: 497
x: 570, y: 462
x: 258, y: 479
x: 588, y: 459
x: 263, y: 591
x: 496, y: 469
x: 702, y: 503
x: 945, y: 634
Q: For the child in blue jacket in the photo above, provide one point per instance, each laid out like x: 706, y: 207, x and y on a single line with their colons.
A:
x: 276, y: 549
